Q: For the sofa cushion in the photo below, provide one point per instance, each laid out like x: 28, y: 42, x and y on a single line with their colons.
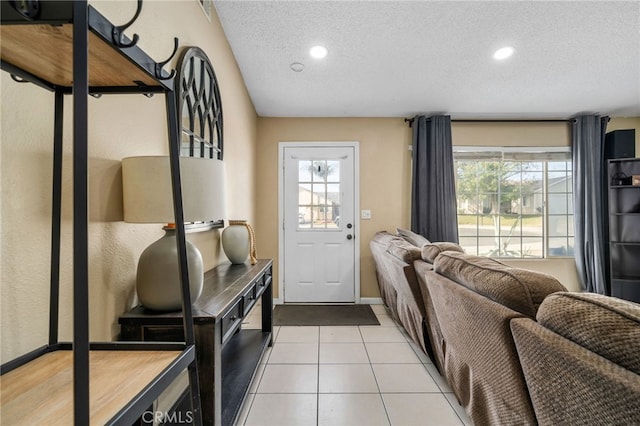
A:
x: 384, y: 237
x: 432, y: 250
x: 413, y: 238
x: 605, y: 325
x: 519, y: 289
x: 403, y: 250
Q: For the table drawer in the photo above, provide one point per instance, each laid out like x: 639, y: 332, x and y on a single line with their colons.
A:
x: 249, y: 298
x: 231, y: 321
x: 262, y: 283
x: 163, y: 334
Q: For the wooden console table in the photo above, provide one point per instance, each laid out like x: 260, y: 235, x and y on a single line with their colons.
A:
x: 227, y: 355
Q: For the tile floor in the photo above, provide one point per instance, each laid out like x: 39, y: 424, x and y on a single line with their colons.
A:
x: 359, y: 376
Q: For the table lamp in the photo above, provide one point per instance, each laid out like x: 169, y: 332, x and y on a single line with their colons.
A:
x: 148, y: 198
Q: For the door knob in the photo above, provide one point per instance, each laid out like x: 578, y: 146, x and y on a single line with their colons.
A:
x: 349, y: 237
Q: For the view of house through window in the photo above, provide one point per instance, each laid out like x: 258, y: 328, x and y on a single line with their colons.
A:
x: 514, y: 202
x: 318, y: 194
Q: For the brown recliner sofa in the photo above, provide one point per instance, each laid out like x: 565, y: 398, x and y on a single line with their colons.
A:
x: 518, y: 349
x: 393, y: 258
x: 429, y: 253
x: 474, y: 301
x: 514, y: 345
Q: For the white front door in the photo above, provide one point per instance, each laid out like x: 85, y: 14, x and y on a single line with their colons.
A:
x: 319, y: 223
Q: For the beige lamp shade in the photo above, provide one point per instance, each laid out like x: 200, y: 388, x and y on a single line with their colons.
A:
x: 148, y: 197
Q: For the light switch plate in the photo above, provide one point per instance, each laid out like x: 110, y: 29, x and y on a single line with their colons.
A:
x: 365, y: 214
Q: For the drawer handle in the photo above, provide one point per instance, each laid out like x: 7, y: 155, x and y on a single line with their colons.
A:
x: 233, y: 318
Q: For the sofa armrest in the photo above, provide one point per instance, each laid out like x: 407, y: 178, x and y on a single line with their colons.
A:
x: 569, y: 384
x: 605, y: 325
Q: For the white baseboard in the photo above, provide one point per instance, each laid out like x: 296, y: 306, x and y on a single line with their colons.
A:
x: 371, y: 301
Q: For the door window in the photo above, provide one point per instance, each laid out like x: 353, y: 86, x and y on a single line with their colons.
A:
x: 319, y: 195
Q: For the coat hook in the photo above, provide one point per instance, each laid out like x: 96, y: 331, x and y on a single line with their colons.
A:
x: 161, y: 64
x: 117, y: 33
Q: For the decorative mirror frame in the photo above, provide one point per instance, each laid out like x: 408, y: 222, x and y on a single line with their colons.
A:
x: 199, y: 106
x: 199, y: 109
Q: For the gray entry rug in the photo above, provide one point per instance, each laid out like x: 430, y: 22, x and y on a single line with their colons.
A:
x: 324, y: 315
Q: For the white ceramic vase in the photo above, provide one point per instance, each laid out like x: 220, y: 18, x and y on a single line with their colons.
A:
x: 158, y: 280
x: 236, y: 241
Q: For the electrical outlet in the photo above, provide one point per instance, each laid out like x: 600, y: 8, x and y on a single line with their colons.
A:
x: 365, y: 214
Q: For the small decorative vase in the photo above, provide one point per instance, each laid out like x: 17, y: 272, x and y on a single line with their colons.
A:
x: 158, y: 280
x: 238, y: 242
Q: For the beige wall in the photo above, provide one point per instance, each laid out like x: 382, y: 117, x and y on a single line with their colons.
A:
x: 385, y: 170
x: 119, y: 126
x: 511, y: 134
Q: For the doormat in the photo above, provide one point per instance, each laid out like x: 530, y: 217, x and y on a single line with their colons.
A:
x: 324, y: 315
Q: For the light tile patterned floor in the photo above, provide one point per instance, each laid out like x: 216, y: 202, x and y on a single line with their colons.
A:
x: 356, y: 376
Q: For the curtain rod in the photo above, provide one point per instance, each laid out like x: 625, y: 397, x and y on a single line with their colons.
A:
x: 571, y: 120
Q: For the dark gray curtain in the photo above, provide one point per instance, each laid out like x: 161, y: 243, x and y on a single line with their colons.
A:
x: 433, y: 190
x: 589, y: 198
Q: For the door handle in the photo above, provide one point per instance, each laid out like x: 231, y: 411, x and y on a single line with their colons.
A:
x: 349, y: 237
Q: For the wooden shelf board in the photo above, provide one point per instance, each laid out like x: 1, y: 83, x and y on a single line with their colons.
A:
x: 46, y: 52
x: 41, y: 392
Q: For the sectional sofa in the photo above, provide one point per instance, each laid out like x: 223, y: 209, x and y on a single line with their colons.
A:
x: 398, y: 284
x: 514, y: 345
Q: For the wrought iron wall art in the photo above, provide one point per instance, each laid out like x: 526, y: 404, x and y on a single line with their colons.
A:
x: 199, y: 106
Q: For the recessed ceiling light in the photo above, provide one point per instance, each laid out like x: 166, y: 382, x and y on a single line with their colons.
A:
x: 318, y: 52
x: 297, y: 66
x: 503, y: 53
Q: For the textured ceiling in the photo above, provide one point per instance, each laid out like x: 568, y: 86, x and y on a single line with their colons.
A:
x: 400, y: 58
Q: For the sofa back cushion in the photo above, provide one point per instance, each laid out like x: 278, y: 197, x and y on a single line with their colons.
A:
x: 411, y: 237
x: 403, y: 250
x: 519, y: 289
x: 432, y: 250
x: 605, y: 325
x: 396, y: 246
x: 384, y: 238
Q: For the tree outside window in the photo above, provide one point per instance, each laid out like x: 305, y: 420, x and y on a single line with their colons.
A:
x: 513, y: 204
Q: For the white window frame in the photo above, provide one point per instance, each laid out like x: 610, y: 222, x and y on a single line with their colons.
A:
x: 543, y: 154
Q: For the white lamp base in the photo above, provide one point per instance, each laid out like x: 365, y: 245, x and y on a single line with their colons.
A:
x: 158, y: 279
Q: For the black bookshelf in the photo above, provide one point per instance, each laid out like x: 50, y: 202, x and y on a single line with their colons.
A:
x: 624, y: 228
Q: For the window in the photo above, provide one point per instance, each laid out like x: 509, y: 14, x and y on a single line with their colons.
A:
x: 514, y: 202
x: 318, y: 194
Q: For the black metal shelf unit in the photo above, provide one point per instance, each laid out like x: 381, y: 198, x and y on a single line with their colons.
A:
x: 68, y: 47
x: 624, y: 228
